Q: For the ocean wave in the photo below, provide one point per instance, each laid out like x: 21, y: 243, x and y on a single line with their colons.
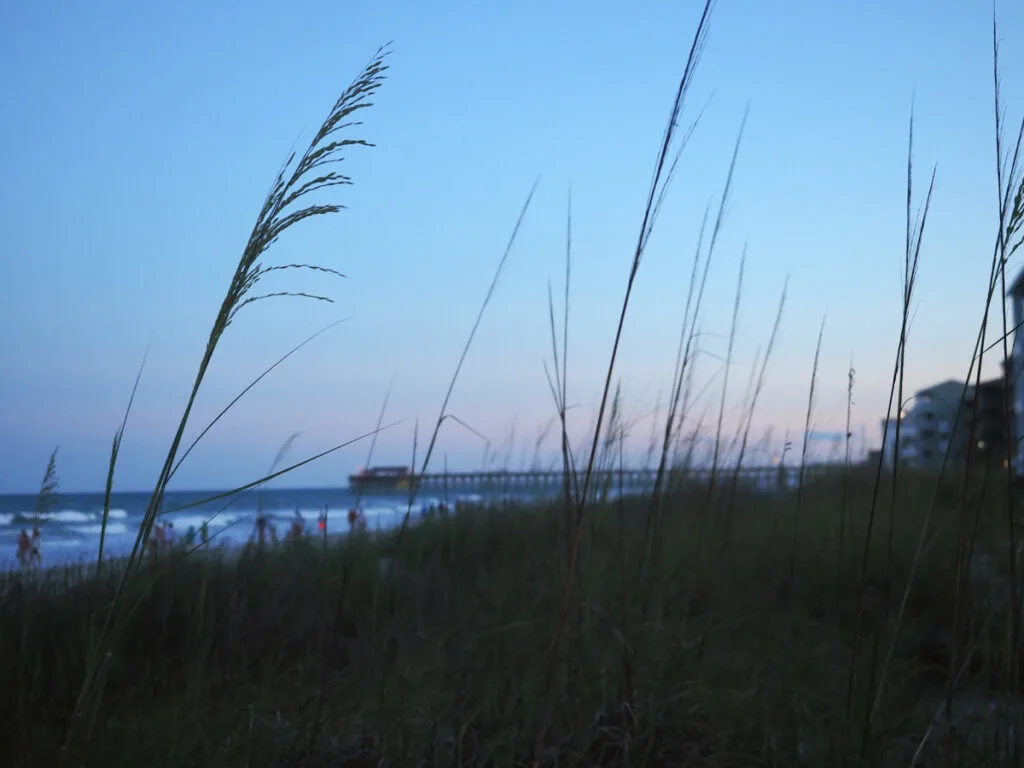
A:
x: 69, y: 516
x: 113, y: 529
x: 289, y: 513
x: 379, y: 511
x: 312, y: 514
x: 6, y: 519
x: 184, y: 522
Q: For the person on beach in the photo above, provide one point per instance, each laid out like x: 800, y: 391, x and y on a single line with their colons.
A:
x: 169, y: 543
x: 204, y: 533
x: 321, y: 522
x: 260, y: 528
x: 353, y: 519
x: 155, y: 543
x: 190, y: 536
x: 24, y: 548
x: 298, y: 527
x: 35, y: 557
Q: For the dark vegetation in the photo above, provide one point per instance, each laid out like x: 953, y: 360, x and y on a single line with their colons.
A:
x: 433, y: 653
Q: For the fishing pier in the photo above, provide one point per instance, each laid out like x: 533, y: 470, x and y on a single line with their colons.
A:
x: 391, y: 479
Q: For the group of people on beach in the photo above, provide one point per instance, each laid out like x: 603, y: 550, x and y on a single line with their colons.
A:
x: 29, y: 555
x: 163, y: 539
x: 264, y: 529
x: 264, y: 532
x: 437, y: 509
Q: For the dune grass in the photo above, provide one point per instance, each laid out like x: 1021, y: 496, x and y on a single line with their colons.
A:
x: 438, y: 660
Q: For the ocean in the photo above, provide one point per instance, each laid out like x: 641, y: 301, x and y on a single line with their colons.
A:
x: 70, y: 531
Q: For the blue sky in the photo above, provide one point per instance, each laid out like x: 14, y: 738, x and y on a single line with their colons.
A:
x: 141, y: 139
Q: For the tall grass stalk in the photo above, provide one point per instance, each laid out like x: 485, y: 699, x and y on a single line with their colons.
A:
x: 683, y: 367
x: 803, y: 451
x: 655, y: 193
x: 750, y: 410
x: 845, y: 497
x: 744, y: 407
x: 535, y: 464
x: 295, y: 182
x: 46, y: 499
x: 373, y: 440
x: 1010, y: 187
x: 443, y: 414
x: 678, y: 401
x: 914, y: 233
x: 415, y: 446
x: 279, y: 457
x: 47, y: 496
x: 910, y: 271
x: 266, y: 372
x: 652, y: 443
x: 560, y: 387
x: 284, y: 207
x: 686, y: 355
x: 727, y: 367
x: 115, y: 449
x: 1010, y: 180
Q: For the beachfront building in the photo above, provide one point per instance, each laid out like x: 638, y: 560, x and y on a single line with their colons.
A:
x: 993, y: 412
x: 986, y: 410
x: 906, y: 447
x: 929, y: 426
x: 1016, y: 390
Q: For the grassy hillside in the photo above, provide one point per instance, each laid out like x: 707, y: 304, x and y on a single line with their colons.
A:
x: 696, y: 648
